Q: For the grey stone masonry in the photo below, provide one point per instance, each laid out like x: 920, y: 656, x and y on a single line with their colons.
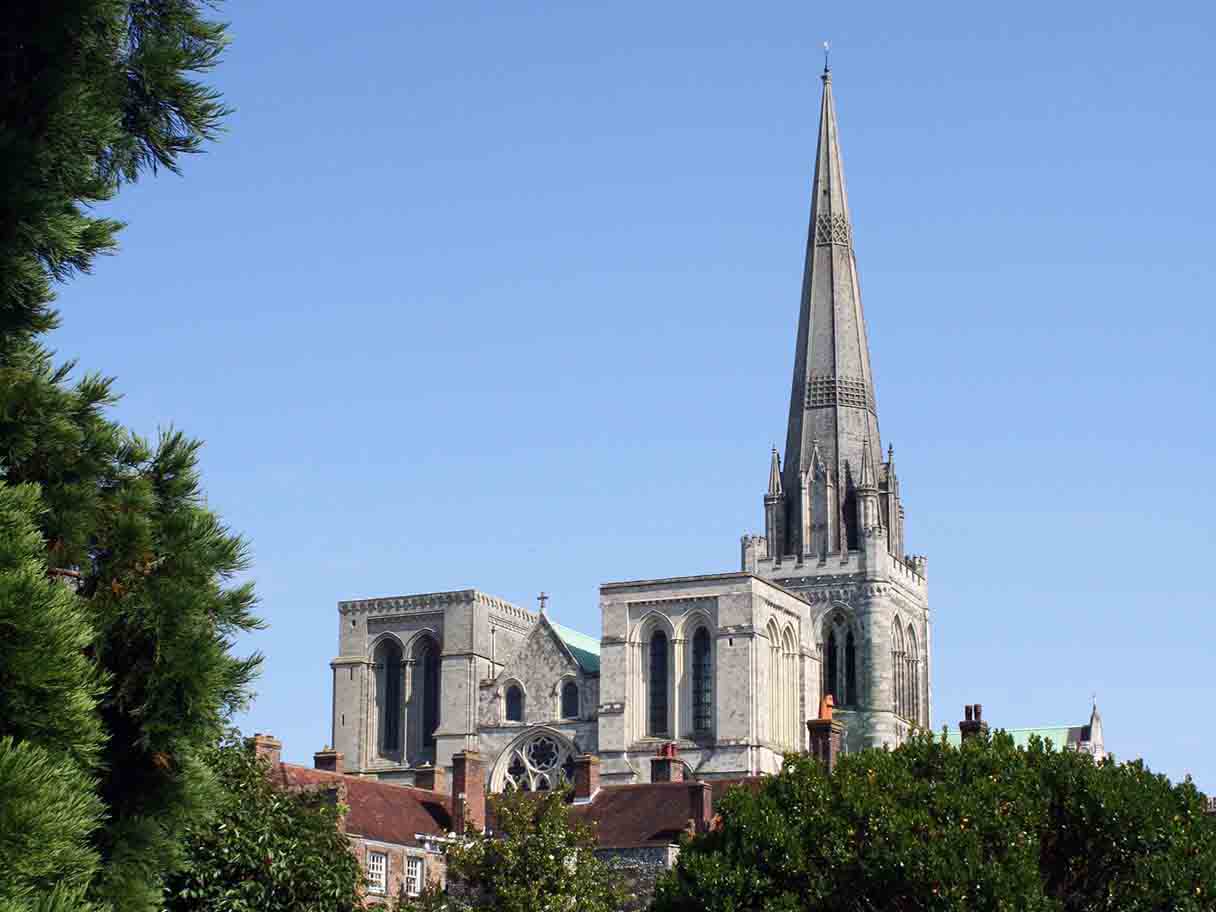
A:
x: 718, y: 674
x: 834, y: 519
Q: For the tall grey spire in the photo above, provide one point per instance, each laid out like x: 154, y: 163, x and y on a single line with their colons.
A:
x: 832, y: 399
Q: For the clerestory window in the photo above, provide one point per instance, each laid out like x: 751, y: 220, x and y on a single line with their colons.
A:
x: 702, y: 682
x: 657, y: 718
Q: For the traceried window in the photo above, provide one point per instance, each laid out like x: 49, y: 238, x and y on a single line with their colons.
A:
x: 570, y: 709
x: 657, y: 717
x: 702, y: 682
x: 539, y: 764
x: 413, y: 875
x: 377, y: 872
x: 515, y: 704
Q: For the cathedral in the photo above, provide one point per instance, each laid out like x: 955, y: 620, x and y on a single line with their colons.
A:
x: 720, y: 671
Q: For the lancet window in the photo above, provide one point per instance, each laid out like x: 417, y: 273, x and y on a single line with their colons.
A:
x: 657, y: 717
x: 515, y: 704
x: 387, y: 662
x: 570, y: 708
x: 702, y: 682
x: 424, y: 698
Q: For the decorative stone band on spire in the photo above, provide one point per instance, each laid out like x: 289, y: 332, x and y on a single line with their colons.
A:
x: 832, y: 228
x: 828, y: 391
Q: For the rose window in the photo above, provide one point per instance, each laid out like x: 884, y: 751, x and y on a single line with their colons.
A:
x: 542, y: 763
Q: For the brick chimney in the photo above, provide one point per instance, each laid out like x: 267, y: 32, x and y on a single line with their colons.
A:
x: 431, y: 778
x: 666, y: 765
x: 268, y: 747
x: 826, y: 735
x: 586, y: 776
x: 701, y: 798
x: 329, y: 760
x: 973, y: 722
x: 468, y: 792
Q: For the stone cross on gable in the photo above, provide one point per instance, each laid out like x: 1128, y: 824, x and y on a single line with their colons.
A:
x: 542, y: 598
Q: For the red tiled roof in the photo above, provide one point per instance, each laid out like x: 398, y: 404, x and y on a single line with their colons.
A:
x: 645, y: 814
x: 378, y: 810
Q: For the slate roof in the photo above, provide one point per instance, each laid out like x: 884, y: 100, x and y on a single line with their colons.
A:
x: 378, y: 810
x: 585, y: 649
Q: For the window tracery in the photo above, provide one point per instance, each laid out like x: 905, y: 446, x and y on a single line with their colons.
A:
x: 540, y: 763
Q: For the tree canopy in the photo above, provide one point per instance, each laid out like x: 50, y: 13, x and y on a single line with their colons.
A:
x: 266, y: 849
x: 930, y: 826
x: 535, y: 860
x: 119, y: 592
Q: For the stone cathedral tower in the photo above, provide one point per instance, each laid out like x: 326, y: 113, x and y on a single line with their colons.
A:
x: 721, y: 671
x: 834, y: 522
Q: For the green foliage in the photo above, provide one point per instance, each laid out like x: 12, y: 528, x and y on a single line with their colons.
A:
x: 929, y: 826
x: 155, y: 568
x: 50, y: 734
x: 92, y: 93
x: 266, y: 850
x: 536, y: 861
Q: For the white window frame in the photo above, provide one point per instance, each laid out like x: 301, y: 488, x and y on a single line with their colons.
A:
x: 415, y: 868
x: 377, y: 872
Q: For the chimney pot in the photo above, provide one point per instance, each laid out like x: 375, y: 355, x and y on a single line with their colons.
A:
x: 330, y: 760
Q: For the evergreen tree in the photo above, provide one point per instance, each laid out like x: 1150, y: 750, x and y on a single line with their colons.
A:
x: 266, y: 849
x: 94, y: 93
x: 50, y: 732
x: 929, y: 826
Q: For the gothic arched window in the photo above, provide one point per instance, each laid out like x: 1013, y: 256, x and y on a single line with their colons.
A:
x: 515, y: 703
x: 657, y: 698
x: 388, y: 694
x: 702, y: 682
x: 897, y: 667
x: 850, y: 670
x: 830, y: 677
x: 913, y: 677
x: 570, y: 700
x: 428, y: 660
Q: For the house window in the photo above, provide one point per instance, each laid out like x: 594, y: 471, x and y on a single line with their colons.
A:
x: 702, y: 681
x: 658, y: 684
x: 515, y: 704
x: 413, y: 875
x: 377, y: 872
x: 569, y: 700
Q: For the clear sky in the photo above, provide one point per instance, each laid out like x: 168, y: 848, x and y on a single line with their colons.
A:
x: 503, y: 295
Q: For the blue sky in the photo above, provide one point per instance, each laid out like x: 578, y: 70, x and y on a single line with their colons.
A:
x: 504, y: 296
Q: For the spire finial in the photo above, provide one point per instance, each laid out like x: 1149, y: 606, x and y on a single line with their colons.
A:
x: 827, y: 66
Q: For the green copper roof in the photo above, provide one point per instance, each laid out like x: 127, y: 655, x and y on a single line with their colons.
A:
x: 1057, y: 734
x: 586, y: 649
